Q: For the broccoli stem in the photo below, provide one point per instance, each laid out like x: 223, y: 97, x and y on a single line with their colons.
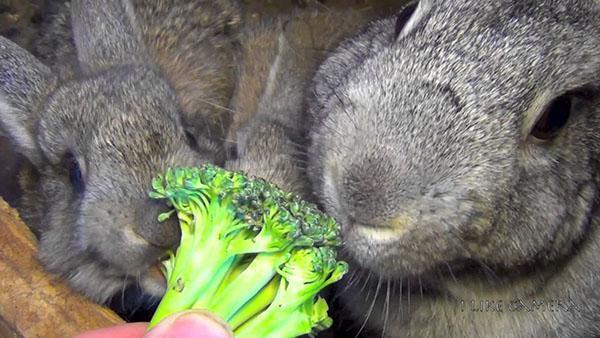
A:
x: 279, y: 326
x: 245, y: 286
x: 257, y: 304
x: 195, y: 270
x: 206, y: 296
x: 264, y: 325
x: 240, y: 264
x: 275, y: 321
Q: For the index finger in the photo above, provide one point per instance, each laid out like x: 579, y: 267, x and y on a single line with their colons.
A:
x: 131, y: 330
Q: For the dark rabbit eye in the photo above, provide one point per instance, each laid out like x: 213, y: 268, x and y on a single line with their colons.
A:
x: 554, y: 118
x: 405, y: 15
x: 75, y: 177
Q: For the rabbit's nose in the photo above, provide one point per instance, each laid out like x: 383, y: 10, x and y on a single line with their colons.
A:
x: 366, y: 188
x: 161, y: 234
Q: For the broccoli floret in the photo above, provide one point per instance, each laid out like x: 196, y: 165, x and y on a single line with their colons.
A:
x: 249, y: 252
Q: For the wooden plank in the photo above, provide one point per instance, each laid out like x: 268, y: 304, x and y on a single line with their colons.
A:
x: 34, y: 303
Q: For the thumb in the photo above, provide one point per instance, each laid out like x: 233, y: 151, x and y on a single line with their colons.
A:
x: 191, y: 324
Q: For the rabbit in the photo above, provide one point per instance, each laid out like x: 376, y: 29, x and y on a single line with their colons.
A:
x: 458, y: 144
x: 142, y: 84
x: 279, y: 56
x: 200, y: 34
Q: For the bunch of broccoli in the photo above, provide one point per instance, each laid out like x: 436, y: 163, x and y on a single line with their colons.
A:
x: 250, y: 253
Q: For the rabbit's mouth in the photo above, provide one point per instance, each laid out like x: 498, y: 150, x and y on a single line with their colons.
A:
x: 153, y: 281
x: 156, y: 274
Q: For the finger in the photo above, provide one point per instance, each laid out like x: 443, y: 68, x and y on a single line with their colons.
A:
x: 132, y: 330
x: 191, y: 324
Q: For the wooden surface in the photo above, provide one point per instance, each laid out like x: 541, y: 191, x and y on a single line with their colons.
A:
x: 32, y: 302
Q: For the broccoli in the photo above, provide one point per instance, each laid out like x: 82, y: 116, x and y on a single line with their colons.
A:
x: 249, y: 252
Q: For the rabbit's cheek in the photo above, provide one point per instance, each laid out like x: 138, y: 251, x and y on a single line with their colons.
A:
x: 331, y: 195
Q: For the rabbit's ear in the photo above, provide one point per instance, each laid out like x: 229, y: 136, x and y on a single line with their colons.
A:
x: 106, y: 34
x: 411, y: 16
x: 24, y: 85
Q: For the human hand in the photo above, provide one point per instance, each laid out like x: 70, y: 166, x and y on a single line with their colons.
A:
x: 188, y: 324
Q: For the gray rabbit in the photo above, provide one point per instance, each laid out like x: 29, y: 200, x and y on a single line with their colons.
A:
x: 279, y: 55
x: 144, y: 91
x: 459, y: 144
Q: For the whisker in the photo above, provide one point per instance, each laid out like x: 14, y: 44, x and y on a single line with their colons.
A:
x: 370, y: 308
x: 491, y: 276
x: 387, y: 309
x: 123, y: 290
x: 408, y: 294
x: 365, y: 284
x: 400, y: 309
x: 354, y: 276
x: 345, y: 110
x: 216, y: 105
x: 346, y: 287
x: 450, y: 270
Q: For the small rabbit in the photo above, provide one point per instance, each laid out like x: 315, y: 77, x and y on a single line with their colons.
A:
x: 459, y: 145
x: 141, y: 97
x: 279, y: 56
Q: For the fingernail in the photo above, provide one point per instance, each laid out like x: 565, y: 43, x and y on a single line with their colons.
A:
x: 191, y: 324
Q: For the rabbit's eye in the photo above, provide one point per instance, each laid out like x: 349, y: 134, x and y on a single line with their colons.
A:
x: 405, y: 15
x: 553, y: 119
x: 75, y: 177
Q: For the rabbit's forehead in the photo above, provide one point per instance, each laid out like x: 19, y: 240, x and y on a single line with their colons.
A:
x: 510, y: 16
x: 126, y: 136
x: 115, y: 107
x: 125, y: 123
x: 484, y: 48
x: 503, y: 45
x: 142, y: 143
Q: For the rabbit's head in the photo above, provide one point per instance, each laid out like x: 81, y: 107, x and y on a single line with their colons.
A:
x: 95, y: 143
x: 468, y: 138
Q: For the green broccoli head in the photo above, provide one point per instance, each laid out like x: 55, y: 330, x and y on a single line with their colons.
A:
x: 245, y: 246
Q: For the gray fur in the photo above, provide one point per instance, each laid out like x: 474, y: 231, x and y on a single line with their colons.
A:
x: 421, y: 148
x: 107, y: 34
x: 25, y: 81
x: 124, y: 118
x: 279, y: 57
